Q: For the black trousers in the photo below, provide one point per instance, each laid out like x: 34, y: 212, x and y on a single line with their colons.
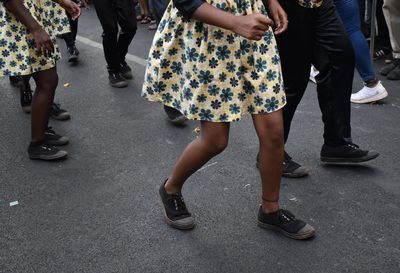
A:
x: 317, y: 36
x: 70, y: 37
x: 114, y: 13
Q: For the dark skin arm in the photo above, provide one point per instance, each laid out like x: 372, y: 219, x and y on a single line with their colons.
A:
x: 253, y: 26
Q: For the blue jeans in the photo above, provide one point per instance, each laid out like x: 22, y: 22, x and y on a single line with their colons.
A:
x: 350, y: 15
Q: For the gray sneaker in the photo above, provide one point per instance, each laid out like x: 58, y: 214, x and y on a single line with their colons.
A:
x: 175, y: 212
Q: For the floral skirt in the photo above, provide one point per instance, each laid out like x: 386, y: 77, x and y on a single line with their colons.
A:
x: 212, y: 74
x: 18, y: 53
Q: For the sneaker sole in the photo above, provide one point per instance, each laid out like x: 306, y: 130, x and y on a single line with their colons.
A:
x: 128, y: 75
x: 57, y: 156
x: 372, y: 99
x: 26, y: 109
x: 61, y: 117
x: 292, y: 175
x: 343, y: 160
x: 73, y: 59
x: 179, y: 120
x: 119, y: 85
x: 172, y: 223
x: 303, y: 236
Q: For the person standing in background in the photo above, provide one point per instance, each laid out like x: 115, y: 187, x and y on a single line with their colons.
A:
x: 391, y: 9
x: 115, y: 14
x: 373, y: 89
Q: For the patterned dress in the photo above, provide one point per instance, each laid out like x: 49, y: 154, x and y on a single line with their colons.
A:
x: 18, y: 54
x: 212, y: 74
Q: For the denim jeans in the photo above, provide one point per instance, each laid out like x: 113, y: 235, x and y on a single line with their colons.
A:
x: 349, y: 11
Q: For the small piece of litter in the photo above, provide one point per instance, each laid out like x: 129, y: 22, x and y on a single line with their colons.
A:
x: 169, y: 142
x: 247, y: 185
x: 225, y: 189
x: 196, y: 130
x: 66, y: 84
x: 13, y: 203
x: 293, y: 199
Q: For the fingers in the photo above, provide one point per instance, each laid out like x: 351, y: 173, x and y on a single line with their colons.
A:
x: 264, y: 20
x: 281, y: 22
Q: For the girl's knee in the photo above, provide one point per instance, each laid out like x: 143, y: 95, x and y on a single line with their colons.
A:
x: 217, y: 145
x: 49, y: 84
x: 275, y: 135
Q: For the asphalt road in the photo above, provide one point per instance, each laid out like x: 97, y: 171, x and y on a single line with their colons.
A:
x: 98, y: 211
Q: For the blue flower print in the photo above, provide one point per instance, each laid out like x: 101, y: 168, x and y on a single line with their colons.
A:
x: 268, y: 37
x: 194, y: 83
x: 167, y: 75
x: 271, y: 104
x: 165, y: 63
x: 176, y: 68
x: 213, y: 63
x: 241, y: 96
x: 175, y: 87
x: 223, y: 52
x: 167, y: 97
x: 234, y: 109
x: 254, y: 75
x: 226, y: 95
x: 191, y: 54
x: 177, y: 104
x: 251, y: 109
x: 276, y: 88
x: 248, y: 87
x: 156, y: 54
x: 206, y: 114
x: 261, y: 65
x: 213, y: 90
x: 275, y: 60
x: 233, y: 82
x: 173, y: 51
x: 271, y: 75
x: 187, y: 94
x: 223, y: 117
x: 205, y: 77
x: 222, y: 77
x: 231, y: 67
x: 159, y: 87
x: 201, y: 98
x: 263, y: 88
x: 215, y: 104
x: 244, y: 47
x: 193, y: 109
x: 258, y: 101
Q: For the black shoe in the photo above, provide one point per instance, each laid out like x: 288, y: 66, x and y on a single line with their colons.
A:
x: 174, y: 115
x: 73, y: 54
x: 126, y: 71
x: 286, y: 223
x: 347, y: 153
x: 175, y: 211
x: 291, y: 169
x: 54, y: 139
x: 59, y: 114
x: 387, y: 68
x: 394, y: 74
x: 45, y: 151
x: 116, y: 80
x: 26, y: 99
x: 15, y: 80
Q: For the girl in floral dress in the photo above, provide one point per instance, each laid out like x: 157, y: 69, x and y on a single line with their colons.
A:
x: 216, y: 61
x: 27, y: 47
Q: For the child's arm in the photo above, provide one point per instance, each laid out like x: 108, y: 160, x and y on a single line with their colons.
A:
x: 42, y: 39
x: 71, y: 7
x: 251, y: 26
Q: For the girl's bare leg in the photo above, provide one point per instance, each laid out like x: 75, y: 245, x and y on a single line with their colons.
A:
x: 269, y: 128
x: 212, y: 141
x: 46, y: 84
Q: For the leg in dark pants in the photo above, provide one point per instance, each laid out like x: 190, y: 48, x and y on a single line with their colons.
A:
x: 112, y: 13
x: 334, y: 58
x: 70, y: 37
x: 295, y: 49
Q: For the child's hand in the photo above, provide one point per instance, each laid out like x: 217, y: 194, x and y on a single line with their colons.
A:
x: 71, y: 8
x: 253, y: 26
x: 43, y: 42
x: 279, y: 15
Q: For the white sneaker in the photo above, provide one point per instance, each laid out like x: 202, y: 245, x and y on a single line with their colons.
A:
x: 369, y: 94
x: 313, y: 73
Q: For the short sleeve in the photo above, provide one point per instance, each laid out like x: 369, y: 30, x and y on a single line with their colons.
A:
x: 187, y: 7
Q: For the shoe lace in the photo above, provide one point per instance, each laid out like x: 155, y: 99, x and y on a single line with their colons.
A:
x: 50, y: 130
x: 55, y: 108
x: 286, y: 216
x: 27, y: 95
x: 178, y: 203
x: 354, y: 146
x: 287, y: 158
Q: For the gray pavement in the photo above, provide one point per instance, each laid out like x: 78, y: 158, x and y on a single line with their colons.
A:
x: 98, y: 211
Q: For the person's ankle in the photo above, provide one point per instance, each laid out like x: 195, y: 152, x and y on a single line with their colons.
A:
x: 270, y: 207
x: 170, y: 188
x: 371, y: 83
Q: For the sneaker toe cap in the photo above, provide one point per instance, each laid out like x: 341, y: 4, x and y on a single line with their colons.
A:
x: 307, y: 231
x: 184, y: 223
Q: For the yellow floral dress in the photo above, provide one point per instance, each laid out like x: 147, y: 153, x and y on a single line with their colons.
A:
x: 18, y: 54
x: 212, y: 74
